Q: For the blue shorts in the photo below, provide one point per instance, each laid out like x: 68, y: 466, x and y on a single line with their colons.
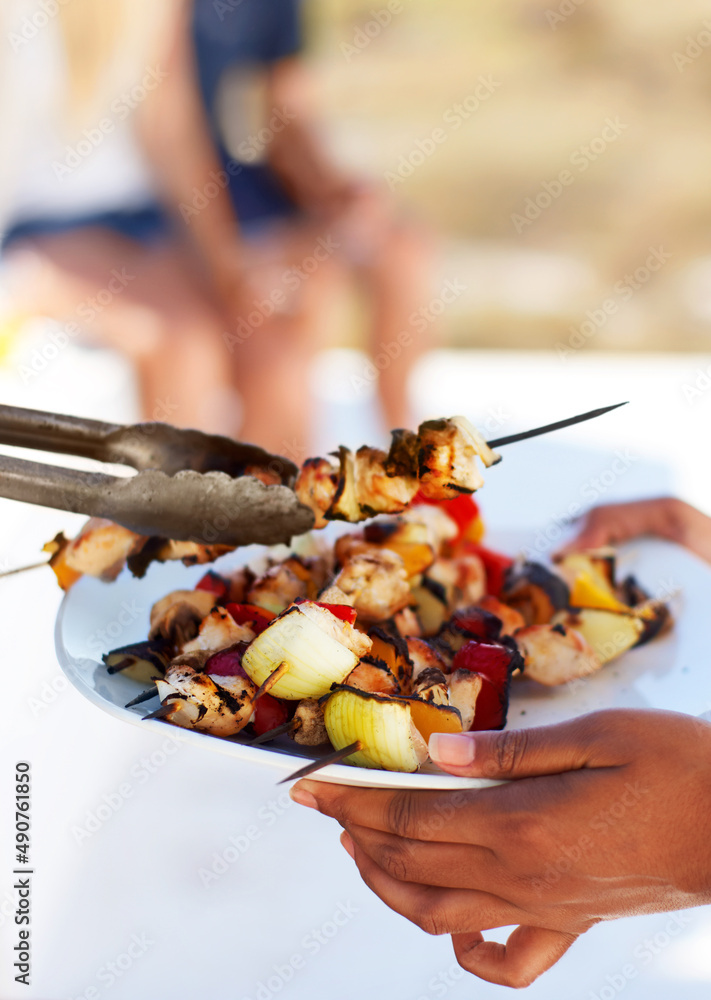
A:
x: 256, y: 195
x: 145, y: 225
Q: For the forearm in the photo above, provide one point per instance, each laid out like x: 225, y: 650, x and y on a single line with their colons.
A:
x: 295, y: 152
x: 175, y: 137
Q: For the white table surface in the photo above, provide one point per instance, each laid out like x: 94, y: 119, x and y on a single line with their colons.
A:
x: 125, y: 890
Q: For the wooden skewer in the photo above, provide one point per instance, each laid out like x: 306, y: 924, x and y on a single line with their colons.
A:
x: 557, y: 426
x: 271, y: 680
x: 285, y: 727
x: 118, y: 667
x: 160, y: 713
x: 23, y: 569
x: 316, y: 765
x: 143, y: 696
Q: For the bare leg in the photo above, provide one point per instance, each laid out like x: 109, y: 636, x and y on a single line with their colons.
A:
x: 146, y: 302
x: 280, y: 329
x: 399, y: 278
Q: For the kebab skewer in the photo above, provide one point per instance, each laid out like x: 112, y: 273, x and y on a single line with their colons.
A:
x: 348, y: 678
x: 438, y: 462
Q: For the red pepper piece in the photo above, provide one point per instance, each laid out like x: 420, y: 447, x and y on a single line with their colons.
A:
x: 249, y: 614
x: 495, y: 565
x: 269, y: 712
x: 476, y: 623
x: 491, y: 707
x: 464, y: 510
x: 343, y: 611
x: 492, y: 662
x: 213, y: 583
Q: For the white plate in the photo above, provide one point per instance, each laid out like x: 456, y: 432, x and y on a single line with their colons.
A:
x: 670, y: 673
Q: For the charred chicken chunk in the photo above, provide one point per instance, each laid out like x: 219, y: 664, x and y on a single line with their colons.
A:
x: 555, y: 655
x: 447, y: 458
x: 218, y: 705
x: 316, y: 487
x: 101, y: 549
x: 376, y: 491
x: 218, y: 631
x: 377, y: 583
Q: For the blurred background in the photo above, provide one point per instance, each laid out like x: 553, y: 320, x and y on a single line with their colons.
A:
x: 559, y: 77
x: 304, y: 224
x: 547, y: 167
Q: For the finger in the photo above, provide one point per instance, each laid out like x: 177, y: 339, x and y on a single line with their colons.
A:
x: 529, y: 952
x: 446, y: 865
x: 594, y: 535
x: 435, y: 910
x: 420, y: 815
x: 588, y: 741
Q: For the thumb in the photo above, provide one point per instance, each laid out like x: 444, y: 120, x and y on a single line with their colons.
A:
x: 520, y: 753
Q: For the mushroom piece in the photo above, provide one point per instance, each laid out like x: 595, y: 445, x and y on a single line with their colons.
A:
x: 308, y: 722
x: 177, y: 617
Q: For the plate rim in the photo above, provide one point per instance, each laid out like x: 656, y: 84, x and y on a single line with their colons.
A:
x: 341, y: 774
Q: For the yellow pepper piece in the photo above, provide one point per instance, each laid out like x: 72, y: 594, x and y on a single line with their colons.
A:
x: 587, y: 593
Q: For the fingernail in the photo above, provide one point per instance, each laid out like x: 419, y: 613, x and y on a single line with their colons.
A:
x: 348, y: 844
x: 303, y: 796
x: 452, y: 748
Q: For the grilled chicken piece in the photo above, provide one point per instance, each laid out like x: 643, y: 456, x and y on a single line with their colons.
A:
x: 316, y: 487
x: 407, y: 623
x: 431, y: 685
x: 377, y: 583
x: 310, y: 728
x: 101, y: 549
x: 373, y: 675
x: 376, y: 491
x: 218, y: 631
x: 441, y: 527
x: 511, y: 620
x: 279, y: 587
x: 555, y: 655
x: 334, y: 595
x: 423, y: 657
x: 218, y: 705
x: 351, y: 545
x: 463, y: 579
x: 162, y: 550
x: 448, y: 450
x: 196, y: 660
x: 464, y: 688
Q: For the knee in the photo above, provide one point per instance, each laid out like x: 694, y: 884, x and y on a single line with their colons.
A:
x: 151, y: 333
x: 409, y: 248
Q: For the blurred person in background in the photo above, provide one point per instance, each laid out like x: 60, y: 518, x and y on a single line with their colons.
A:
x: 173, y: 199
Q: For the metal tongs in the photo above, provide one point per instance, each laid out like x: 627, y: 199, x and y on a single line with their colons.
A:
x: 189, y: 486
